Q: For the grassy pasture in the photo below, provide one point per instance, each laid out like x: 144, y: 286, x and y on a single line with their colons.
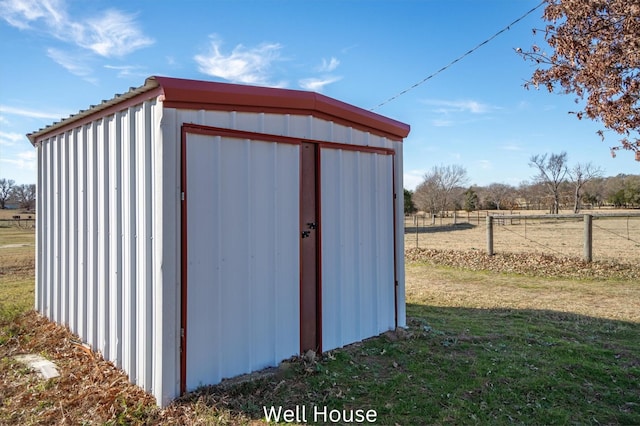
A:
x: 613, y: 238
x: 482, y: 347
x: 17, y: 267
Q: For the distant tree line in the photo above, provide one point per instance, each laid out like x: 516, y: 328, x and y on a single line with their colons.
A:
x: 558, y: 188
x: 23, y: 196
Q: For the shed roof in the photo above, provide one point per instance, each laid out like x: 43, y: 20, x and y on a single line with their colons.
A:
x: 208, y: 95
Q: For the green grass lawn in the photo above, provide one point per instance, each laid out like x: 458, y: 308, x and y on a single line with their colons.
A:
x: 481, y: 348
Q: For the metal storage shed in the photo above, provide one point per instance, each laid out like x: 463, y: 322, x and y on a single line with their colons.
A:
x: 192, y: 231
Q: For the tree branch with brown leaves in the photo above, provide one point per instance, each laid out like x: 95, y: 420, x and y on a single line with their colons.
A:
x: 595, y: 56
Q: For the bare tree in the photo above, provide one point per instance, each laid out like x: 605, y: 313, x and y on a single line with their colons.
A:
x: 25, y: 195
x: 436, y: 192
x: 499, y: 194
x: 579, y: 175
x: 6, y: 186
x: 426, y: 195
x: 552, y: 170
x: 595, y: 56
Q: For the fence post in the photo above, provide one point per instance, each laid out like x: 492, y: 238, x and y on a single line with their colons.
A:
x: 455, y: 217
x: 588, y: 238
x: 490, y: 235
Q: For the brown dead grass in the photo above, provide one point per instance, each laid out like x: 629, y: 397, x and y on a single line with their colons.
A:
x: 89, y: 390
x: 614, y: 300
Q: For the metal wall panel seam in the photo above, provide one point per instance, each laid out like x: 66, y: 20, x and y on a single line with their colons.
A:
x: 115, y: 238
x: 56, y: 231
x: 63, y: 253
x: 132, y: 246
x: 73, y: 227
x: 141, y: 279
x: 82, y: 232
x: 92, y: 235
x: 148, y: 253
x: 50, y: 220
x: 103, y: 237
x: 126, y: 182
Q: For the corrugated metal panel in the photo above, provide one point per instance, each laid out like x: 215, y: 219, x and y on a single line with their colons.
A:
x: 99, y: 269
x: 243, y: 275
x: 357, y: 246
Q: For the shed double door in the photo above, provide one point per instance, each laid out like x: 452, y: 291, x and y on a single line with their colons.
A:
x: 279, y: 255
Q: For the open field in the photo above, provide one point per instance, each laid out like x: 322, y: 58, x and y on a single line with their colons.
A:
x: 497, y: 345
x: 17, y: 267
x: 613, y: 238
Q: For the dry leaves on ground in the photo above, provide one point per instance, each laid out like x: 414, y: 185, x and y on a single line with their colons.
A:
x: 535, y: 264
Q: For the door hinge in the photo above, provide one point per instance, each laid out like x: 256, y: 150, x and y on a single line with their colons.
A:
x: 182, y: 196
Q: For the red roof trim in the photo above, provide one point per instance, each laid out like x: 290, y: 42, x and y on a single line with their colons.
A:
x: 207, y: 95
x: 195, y: 94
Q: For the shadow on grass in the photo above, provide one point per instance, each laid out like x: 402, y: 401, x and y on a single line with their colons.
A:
x: 442, y: 228
x: 462, y: 366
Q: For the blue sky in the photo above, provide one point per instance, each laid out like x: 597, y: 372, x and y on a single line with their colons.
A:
x: 60, y: 56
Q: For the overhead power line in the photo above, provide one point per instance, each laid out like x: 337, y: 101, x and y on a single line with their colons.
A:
x: 508, y: 27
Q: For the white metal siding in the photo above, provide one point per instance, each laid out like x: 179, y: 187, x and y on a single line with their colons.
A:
x: 99, y: 269
x: 243, y: 250
x: 357, y: 246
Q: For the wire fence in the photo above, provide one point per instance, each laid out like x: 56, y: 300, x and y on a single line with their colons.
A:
x: 614, y: 235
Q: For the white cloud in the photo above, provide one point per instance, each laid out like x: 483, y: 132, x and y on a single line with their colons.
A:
x: 242, y: 65
x: 330, y: 65
x: 75, y: 64
x: 125, y: 71
x: 10, y: 138
x: 30, y: 113
x: 23, y: 160
x: 21, y: 13
x: 113, y: 34
x: 317, y: 84
x: 110, y: 34
x: 468, y: 105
